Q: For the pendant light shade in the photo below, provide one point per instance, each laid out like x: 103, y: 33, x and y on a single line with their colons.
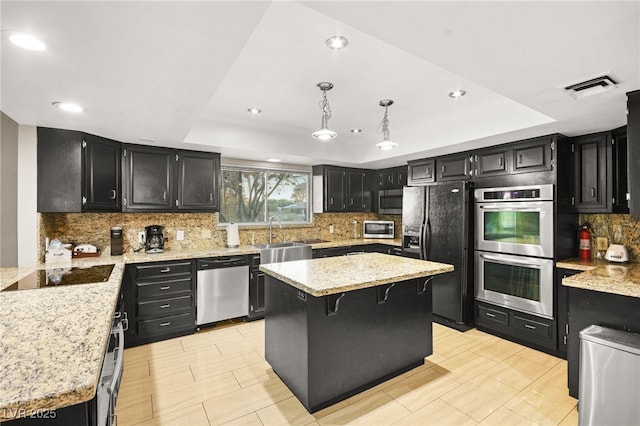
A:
x: 386, y: 144
x: 324, y: 133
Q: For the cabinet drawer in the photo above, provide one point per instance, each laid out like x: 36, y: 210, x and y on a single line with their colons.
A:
x: 165, y: 325
x: 163, y: 288
x: 164, y: 307
x: 531, y: 327
x: 163, y: 269
x: 492, y: 315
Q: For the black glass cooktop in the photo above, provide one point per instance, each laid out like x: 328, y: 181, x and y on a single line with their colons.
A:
x: 45, y: 278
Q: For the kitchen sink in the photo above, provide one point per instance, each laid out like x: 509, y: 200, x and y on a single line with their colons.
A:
x: 283, y: 252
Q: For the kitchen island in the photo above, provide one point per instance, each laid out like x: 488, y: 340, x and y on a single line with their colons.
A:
x: 337, y: 326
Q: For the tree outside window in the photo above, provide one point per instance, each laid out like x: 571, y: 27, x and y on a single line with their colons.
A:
x: 252, y: 196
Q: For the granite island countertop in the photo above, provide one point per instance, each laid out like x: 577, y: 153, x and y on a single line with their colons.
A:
x: 603, y: 276
x: 331, y: 275
x: 53, y: 340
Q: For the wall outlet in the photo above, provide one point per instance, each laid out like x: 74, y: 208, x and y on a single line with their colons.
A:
x: 206, y: 234
x: 180, y: 235
x: 602, y: 243
x: 331, y: 229
x: 141, y: 237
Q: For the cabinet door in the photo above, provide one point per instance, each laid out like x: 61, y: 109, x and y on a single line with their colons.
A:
x: 335, y: 190
x: 386, y: 179
x: 198, y: 181
x: 421, y: 172
x: 256, y: 294
x: 355, y: 191
x: 633, y: 150
x: 148, y: 176
x: 101, y: 182
x: 592, y: 165
x: 492, y: 162
x: 619, y: 170
x: 533, y: 156
x: 401, y: 177
x: 453, y: 168
x: 59, y: 170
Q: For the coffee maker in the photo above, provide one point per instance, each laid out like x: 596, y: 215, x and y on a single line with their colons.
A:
x: 154, y: 237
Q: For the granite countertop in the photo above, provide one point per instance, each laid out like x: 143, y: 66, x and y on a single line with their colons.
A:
x: 331, y: 275
x: 603, y: 276
x: 54, y: 339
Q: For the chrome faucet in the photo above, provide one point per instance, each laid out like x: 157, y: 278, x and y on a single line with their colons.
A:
x: 271, y: 219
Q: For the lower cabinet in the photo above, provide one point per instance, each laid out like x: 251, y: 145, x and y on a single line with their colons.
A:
x: 159, y: 301
x: 530, y: 330
x: 256, y: 289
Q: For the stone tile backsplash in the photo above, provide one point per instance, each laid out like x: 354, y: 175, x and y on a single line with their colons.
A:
x: 618, y: 228
x: 201, y: 230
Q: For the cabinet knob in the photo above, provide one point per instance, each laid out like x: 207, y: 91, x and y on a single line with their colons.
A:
x: 593, y: 192
x: 114, y: 194
x: 165, y: 270
x: 165, y: 306
x: 84, y: 201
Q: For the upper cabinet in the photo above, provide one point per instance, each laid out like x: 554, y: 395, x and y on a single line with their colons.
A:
x: 77, y: 172
x: 533, y: 156
x: 421, y: 172
x: 600, y: 172
x: 392, y: 178
x: 163, y: 180
x: 453, y: 167
x: 339, y: 189
x: 633, y: 150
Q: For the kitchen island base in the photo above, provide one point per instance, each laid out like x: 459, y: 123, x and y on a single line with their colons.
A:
x: 328, y: 348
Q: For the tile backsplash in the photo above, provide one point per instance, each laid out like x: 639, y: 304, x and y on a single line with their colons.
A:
x: 201, y: 230
x: 618, y: 228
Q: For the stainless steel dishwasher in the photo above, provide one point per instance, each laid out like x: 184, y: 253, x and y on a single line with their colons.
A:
x: 222, y: 289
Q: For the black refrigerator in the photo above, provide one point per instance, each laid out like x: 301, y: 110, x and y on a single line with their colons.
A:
x: 437, y: 225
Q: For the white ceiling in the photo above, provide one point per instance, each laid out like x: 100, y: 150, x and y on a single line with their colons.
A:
x: 184, y: 73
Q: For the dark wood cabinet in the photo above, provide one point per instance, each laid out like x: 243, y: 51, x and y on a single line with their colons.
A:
x: 600, y: 172
x: 454, y: 167
x: 159, y: 300
x: 592, y: 173
x: 392, y: 178
x: 533, y: 156
x: 198, y: 181
x: 339, y: 189
x: 562, y: 305
x: 492, y: 162
x: 633, y: 150
x: 164, y: 180
x: 77, y: 172
x: 421, y: 172
x: 148, y: 178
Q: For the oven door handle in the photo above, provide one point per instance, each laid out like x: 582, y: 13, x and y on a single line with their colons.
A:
x: 532, y: 263
x: 119, y: 360
x: 511, y: 207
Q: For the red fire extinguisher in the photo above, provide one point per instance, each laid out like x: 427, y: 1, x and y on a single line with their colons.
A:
x: 585, y: 243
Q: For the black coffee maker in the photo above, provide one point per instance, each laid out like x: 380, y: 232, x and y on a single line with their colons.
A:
x: 154, y: 239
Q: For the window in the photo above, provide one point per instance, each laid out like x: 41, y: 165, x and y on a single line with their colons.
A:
x: 252, y: 195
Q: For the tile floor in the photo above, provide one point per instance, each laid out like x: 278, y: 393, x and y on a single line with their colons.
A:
x: 219, y: 376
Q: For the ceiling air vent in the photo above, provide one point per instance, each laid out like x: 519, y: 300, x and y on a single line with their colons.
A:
x: 591, y: 87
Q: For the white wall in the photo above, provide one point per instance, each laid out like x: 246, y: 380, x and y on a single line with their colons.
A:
x: 27, y: 196
x: 8, y: 191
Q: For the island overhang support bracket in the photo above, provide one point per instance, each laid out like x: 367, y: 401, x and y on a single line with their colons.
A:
x: 333, y: 302
x: 383, y: 293
x: 422, y: 288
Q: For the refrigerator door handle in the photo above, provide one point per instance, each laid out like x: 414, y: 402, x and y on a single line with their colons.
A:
x: 423, y: 241
x: 427, y: 240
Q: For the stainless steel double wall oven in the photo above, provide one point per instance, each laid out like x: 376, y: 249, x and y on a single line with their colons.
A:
x: 514, y: 248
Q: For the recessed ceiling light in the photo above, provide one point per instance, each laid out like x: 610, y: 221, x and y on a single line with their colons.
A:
x: 68, y: 106
x: 254, y: 110
x: 457, y: 93
x: 274, y: 160
x: 356, y: 131
x: 27, y: 41
x: 337, y: 42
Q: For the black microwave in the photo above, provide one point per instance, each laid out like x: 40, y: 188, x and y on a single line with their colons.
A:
x: 378, y: 229
x: 390, y: 201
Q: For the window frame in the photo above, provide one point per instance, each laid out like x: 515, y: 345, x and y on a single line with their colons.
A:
x: 268, y: 168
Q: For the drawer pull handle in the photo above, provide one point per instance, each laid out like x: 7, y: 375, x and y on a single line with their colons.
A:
x: 165, y: 306
x: 165, y: 270
x: 530, y: 327
x: 490, y: 315
x: 166, y: 287
x: 164, y: 324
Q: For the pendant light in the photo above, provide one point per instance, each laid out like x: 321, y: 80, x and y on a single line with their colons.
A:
x: 324, y: 133
x: 386, y: 143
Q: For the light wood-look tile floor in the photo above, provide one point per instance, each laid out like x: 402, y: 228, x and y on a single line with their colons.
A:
x: 219, y: 376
